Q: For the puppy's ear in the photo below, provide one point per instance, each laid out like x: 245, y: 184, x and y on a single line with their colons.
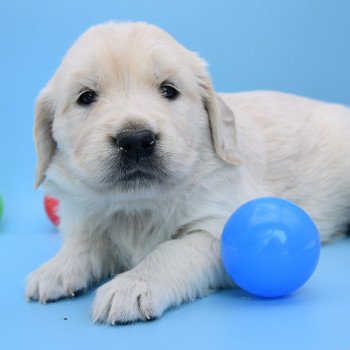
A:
x: 44, y: 143
x: 221, y: 117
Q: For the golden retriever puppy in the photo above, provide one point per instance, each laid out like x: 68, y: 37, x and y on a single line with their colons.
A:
x: 149, y: 162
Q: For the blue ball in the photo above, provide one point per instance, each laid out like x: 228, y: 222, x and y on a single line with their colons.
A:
x: 270, y: 247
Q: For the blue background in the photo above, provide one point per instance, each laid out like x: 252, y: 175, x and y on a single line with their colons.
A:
x: 298, y: 46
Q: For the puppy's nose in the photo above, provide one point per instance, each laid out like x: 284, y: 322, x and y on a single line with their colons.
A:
x: 136, y: 144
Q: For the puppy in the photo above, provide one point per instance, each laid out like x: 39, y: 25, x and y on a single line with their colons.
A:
x: 148, y: 163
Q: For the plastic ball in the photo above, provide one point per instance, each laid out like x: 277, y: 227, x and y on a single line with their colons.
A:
x: 270, y: 247
x: 51, y: 206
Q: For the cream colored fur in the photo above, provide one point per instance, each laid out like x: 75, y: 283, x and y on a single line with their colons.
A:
x: 160, y: 244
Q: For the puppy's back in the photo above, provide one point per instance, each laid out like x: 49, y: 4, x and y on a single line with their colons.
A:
x: 307, y: 151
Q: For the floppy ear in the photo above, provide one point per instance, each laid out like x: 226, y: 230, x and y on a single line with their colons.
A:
x: 44, y: 143
x: 223, y: 128
x: 221, y: 118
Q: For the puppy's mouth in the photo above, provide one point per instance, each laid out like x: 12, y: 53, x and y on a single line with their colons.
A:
x: 136, y: 177
x: 139, y: 175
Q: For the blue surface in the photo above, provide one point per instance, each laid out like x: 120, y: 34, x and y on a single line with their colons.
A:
x: 295, y: 46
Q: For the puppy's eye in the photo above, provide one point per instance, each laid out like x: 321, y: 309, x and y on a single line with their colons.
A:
x: 168, y: 91
x: 87, y: 97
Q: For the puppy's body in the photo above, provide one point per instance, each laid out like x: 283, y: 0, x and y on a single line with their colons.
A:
x: 157, y: 228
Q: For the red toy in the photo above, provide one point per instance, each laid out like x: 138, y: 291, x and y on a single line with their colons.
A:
x: 51, y: 205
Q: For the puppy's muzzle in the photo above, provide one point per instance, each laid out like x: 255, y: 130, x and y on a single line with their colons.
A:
x: 138, y: 160
x: 136, y: 145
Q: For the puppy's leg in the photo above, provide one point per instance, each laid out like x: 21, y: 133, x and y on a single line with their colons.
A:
x: 81, y: 261
x: 176, y: 271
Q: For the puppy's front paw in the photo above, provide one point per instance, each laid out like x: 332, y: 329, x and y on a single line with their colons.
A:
x: 128, y: 298
x: 56, y: 279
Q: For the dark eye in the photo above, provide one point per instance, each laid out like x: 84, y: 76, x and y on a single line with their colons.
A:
x: 168, y: 91
x: 87, y: 97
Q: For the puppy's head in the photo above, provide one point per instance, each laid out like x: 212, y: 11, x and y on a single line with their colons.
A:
x: 129, y: 107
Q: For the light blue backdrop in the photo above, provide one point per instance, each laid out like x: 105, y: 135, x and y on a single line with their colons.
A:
x: 298, y: 46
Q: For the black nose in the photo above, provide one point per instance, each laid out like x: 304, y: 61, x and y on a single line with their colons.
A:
x: 136, y: 144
